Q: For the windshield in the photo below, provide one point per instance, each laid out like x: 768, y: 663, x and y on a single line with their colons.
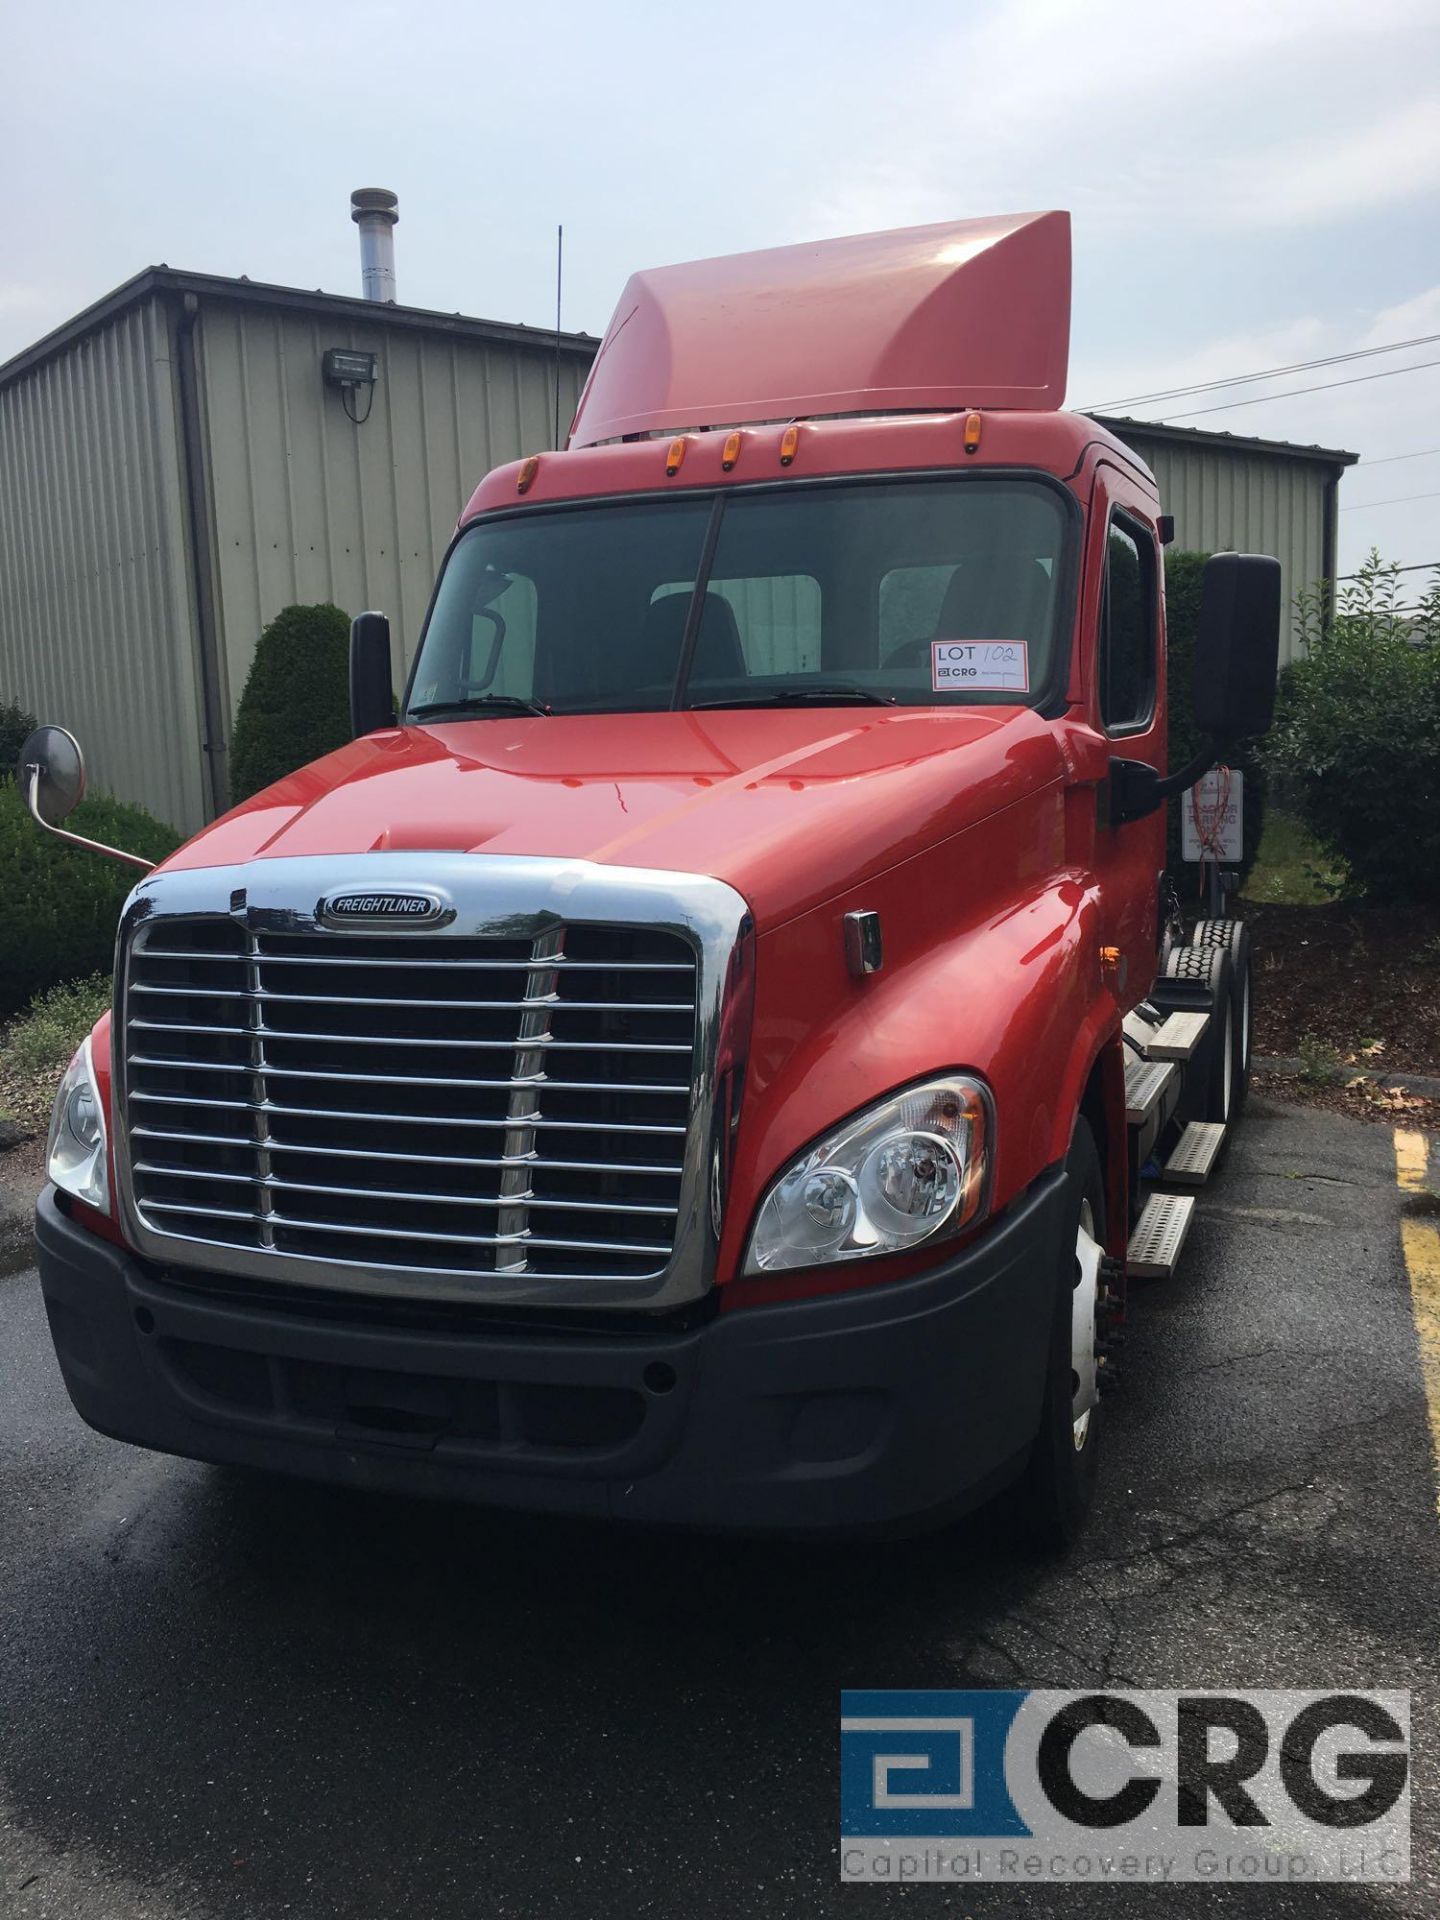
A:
x: 922, y: 592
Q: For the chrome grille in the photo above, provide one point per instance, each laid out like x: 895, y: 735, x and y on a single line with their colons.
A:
x: 467, y: 1105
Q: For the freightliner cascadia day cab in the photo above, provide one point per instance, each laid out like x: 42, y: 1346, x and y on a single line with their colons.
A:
x: 718, y: 1057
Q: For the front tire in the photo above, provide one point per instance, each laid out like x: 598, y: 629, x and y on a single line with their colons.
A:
x: 1059, y: 1484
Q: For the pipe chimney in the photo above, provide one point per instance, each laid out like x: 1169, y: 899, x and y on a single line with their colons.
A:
x: 375, y: 211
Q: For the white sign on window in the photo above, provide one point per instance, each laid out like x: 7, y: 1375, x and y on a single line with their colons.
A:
x: 996, y: 665
x: 1212, y: 818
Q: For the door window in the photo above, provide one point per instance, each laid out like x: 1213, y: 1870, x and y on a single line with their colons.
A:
x: 1127, y: 640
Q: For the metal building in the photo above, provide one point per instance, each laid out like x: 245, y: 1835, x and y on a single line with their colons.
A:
x: 1231, y: 493
x: 175, y: 468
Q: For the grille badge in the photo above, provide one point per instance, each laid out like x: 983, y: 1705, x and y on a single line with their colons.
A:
x: 384, y: 906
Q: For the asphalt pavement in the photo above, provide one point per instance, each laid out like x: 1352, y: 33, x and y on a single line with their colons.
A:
x: 225, y: 1695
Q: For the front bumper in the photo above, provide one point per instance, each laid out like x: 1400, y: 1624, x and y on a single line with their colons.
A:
x: 881, y: 1407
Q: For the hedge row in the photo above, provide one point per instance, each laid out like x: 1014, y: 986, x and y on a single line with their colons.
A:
x: 296, y: 703
x: 63, y: 904
x: 1357, y: 730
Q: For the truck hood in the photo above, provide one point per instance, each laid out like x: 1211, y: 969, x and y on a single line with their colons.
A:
x: 789, y: 805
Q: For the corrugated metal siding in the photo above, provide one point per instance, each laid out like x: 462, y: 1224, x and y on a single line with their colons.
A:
x: 96, y: 628
x: 1246, y: 502
x: 308, y: 506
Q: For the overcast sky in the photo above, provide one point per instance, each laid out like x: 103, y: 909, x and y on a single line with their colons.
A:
x: 1252, y: 184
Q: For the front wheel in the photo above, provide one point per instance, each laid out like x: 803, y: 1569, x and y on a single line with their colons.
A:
x: 1059, y: 1485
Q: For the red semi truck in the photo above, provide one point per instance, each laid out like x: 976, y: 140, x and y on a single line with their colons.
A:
x: 720, y: 1055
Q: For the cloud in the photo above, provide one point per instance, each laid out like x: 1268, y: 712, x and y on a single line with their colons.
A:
x: 1243, y: 114
x: 1394, y: 157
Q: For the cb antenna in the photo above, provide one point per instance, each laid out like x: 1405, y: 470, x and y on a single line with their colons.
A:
x: 559, y: 283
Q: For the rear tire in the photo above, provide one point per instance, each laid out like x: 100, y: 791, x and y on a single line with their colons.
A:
x: 1059, y: 1485
x: 1220, y: 1061
x: 1233, y: 936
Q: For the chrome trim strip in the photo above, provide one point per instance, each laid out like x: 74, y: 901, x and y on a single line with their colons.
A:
x: 494, y: 896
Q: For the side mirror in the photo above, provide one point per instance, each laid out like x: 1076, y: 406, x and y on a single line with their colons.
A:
x: 1237, y: 645
x: 372, y: 702
x: 51, y: 776
x: 1237, y: 656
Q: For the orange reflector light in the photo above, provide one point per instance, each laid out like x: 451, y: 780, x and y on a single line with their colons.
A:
x: 528, y: 470
x: 675, y: 455
x: 972, y: 432
x: 731, y: 451
x: 789, y: 441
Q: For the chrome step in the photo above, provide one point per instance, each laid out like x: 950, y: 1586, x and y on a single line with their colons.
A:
x: 1139, y: 1031
x: 1159, y: 1235
x: 1179, y: 1036
x: 1195, y: 1153
x: 1145, y: 1085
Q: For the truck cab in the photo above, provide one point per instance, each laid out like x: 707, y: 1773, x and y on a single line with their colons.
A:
x: 687, y: 1063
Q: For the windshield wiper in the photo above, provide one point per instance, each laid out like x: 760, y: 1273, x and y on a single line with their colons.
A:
x: 842, y: 694
x: 482, y: 703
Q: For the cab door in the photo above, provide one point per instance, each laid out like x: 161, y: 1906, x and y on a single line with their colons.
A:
x: 1128, y: 710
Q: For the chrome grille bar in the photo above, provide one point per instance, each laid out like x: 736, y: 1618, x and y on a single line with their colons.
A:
x: 249, y: 1067
x: 342, y: 1127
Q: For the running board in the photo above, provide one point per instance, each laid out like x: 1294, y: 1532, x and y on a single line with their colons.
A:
x: 1146, y: 1082
x: 1141, y: 1025
x: 1172, y: 1036
x: 1179, y: 1036
x: 1159, y: 1235
x: 1195, y: 1153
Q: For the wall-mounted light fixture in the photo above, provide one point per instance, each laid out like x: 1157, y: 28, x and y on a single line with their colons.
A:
x: 350, y: 371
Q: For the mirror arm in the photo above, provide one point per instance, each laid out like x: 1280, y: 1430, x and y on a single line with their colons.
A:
x: 1136, y: 789
x: 32, y: 795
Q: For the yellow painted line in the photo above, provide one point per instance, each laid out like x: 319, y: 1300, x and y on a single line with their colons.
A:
x: 1411, y: 1155
x: 1420, y: 1239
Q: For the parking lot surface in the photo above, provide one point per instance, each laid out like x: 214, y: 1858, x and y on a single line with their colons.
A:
x: 228, y: 1695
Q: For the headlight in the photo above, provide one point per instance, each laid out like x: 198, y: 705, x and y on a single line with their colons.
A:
x: 911, y: 1166
x: 77, y: 1160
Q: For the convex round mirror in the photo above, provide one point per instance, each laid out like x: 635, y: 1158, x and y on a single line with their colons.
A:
x: 61, y: 786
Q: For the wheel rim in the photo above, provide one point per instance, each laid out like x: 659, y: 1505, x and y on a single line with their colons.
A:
x: 1245, y: 1021
x: 1228, y: 1071
x: 1084, y: 1387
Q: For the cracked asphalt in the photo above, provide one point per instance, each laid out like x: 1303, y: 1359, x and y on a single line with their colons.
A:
x: 224, y: 1696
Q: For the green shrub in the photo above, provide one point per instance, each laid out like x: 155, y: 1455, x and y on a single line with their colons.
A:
x: 1183, y: 574
x: 296, y: 703
x: 15, y: 725
x: 1357, y: 732
x: 61, y: 903
x: 55, y: 1022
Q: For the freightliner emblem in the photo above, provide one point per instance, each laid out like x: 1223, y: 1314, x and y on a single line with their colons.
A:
x: 378, y: 906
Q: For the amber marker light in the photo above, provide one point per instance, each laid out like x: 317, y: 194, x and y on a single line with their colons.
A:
x: 789, y: 441
x: 675, y: 456
x: 972, y: 433
x: 730, y: 453
x: 528, y: 470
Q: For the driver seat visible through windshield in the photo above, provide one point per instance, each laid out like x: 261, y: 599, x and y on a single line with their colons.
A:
x: 718, y: 653
x: 993, y: 596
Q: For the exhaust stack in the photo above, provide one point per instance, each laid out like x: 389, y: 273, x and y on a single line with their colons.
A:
x: 375, y: 211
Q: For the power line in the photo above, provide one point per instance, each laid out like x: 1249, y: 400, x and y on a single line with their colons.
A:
x: 1270, y: 373
x: 1417, y: 566
x: 1292, y: 393
x: 1398, y: 500
x: 1388, y: 459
